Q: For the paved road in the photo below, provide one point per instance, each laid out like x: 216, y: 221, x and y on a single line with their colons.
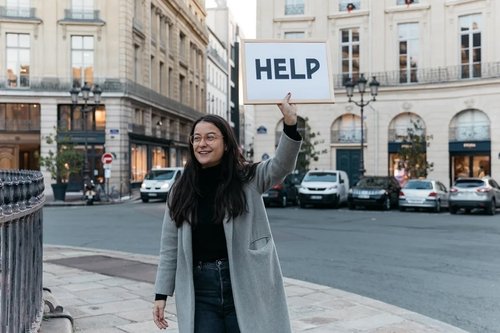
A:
x: 439, y: 265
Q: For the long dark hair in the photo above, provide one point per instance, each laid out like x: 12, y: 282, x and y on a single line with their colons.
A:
x: 229, y: 195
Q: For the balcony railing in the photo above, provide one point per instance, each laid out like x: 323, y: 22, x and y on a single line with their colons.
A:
x: 18, y: 12
x: 213, y: 53
x: 138, y: 129
x: 347, y: 136
x: 400, y: 133
x: 81, y: 15
x: 469, y: 133
x: 438, y: 75
x: 21, y: 251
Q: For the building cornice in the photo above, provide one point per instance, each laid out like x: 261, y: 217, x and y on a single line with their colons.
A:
x: 347, y: 15
x: 295, y: 19
x: 405, y: 9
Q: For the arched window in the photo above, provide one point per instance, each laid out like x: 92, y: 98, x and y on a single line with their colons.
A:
x: 347, y: 129
x: 470, y: 125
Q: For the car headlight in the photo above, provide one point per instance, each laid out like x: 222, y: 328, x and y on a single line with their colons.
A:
x: 350, y: 191
x: 165, y: 186
x: 143, y: 185
x: 382, y: 192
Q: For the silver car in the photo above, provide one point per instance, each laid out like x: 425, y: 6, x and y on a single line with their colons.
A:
x: 470, y: 193
x: 423, y: 193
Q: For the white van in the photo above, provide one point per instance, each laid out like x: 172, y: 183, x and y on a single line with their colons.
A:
x: 158, y: 182
x: 324, y: 187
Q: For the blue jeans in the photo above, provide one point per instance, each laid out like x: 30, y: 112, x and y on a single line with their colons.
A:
x: 214, y: 305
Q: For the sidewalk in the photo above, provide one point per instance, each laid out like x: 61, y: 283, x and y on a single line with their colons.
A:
x: 112, y: 292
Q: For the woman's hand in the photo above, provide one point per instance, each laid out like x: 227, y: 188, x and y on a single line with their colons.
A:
x: 159, y: 314
x: 288, y: 110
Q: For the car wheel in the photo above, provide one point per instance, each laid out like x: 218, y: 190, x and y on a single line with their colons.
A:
x: 387, y: 204
x: 453, y: 210
x: 493, y: 208
x: 402, y: 209
x: 145, y: 200
x: 437, y: 209
x: 351, y: 206
x: 284, y: 201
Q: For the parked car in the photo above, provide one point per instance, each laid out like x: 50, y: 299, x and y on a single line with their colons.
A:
x: 324, y: 187
x: 158, y: 182
x: 375, y: 191
x: 470, y: 193
x: 423, y: 193
x: 285, y: 192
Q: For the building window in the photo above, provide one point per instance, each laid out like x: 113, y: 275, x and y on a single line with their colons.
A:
x: 82, y: 60
x: 348, y: 5
x: 18, y: 60
x: 294, y: 35
x: 470, y: 46
x: 19, y: 117
x: 182, y: 82
x: 294, y: 7
x: 408, y: 52
x: 163, y: 74
x: 138, y: 162
x: 137, y: 63
x: 182, y: 47
x: 350, y: 53
x: 71, y: 118
x: 18, y: 8
x: 82, y: 9
x: 154, y: 25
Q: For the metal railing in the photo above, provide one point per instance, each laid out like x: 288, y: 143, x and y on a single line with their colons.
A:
x: 81, y: 15
x: 21, y: 251
x: 18, y: 12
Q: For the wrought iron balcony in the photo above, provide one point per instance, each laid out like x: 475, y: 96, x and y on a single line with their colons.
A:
x: 347, y: 136
x: 81, y: 15
x: 17, y: 12
x: 296, y: 9
x: 469, y: 133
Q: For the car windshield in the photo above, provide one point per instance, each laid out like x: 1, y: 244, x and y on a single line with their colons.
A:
x: 418, y: 185
x: 465, y: 183
x: 321, y: 177
x: 372, y: 182
x: 160, y: 174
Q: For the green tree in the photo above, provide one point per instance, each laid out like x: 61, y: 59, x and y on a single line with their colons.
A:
x: 65, y: 161
x: 309, y: 149
x: 413, y: 151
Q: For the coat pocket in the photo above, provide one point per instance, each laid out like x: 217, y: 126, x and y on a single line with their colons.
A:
x: 260, y: 243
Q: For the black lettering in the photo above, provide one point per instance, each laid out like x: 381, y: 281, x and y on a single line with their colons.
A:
x: 294, y: 75
x: 267, y: 68
x: 280, y: 66
x: 312, y: 65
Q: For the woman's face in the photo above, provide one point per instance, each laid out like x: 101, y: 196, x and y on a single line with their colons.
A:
x: 208, y: 144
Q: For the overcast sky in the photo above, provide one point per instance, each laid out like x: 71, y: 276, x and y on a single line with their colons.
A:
x: 243, y: 12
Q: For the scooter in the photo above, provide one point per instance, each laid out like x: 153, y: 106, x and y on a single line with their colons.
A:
x: 90, y: 194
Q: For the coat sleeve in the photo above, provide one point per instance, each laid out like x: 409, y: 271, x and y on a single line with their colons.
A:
x: 167, y: 266
x: 275, y: 169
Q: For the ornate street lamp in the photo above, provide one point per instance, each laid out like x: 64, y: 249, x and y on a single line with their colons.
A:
x: 85, y: 94
x: 349, y: 87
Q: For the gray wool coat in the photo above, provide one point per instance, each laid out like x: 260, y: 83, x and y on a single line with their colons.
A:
x: 257, y: 281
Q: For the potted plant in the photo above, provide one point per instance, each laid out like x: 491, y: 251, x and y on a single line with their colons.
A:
x: 65, y: 161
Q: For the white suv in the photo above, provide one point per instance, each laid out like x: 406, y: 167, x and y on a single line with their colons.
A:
x: 158, y: 182
x: 324, y: 187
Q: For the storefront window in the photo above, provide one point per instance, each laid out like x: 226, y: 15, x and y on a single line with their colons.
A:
x: 138, y: 161
x: 159, y: 157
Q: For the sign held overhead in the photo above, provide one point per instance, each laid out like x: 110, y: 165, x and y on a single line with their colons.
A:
x: 272, y: 68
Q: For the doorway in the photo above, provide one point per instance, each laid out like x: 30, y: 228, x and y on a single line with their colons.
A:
x: 348, y: 161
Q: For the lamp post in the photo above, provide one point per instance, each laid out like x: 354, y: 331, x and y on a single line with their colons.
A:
x: 349, y: 87
x: 85, y: 94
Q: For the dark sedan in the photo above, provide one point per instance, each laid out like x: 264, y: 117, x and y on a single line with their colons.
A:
x: 284, y: 193
x: 374, y: 191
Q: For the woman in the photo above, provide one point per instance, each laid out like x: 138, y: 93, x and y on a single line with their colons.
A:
x: 216, y: 245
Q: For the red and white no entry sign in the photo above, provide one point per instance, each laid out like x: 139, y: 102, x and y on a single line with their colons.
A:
x: 107, y: 158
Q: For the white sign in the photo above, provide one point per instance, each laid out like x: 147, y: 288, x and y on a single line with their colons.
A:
x: 107, y: 173
x: 272, y: 68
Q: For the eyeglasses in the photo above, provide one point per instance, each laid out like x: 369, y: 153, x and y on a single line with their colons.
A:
x: 209, y: 139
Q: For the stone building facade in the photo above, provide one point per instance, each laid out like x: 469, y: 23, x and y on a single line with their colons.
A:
x: 438, y: 64
x: 147, y: 57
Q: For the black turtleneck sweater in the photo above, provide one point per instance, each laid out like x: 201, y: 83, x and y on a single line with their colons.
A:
x: 209, y: 241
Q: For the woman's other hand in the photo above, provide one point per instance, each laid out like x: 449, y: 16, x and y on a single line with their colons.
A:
x: 288, y: 110
x: 159, y: 314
